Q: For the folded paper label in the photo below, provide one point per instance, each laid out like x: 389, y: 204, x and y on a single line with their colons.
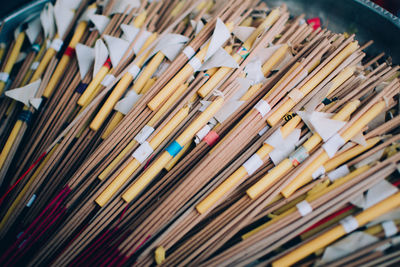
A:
x: 144, y: 134
x: 304, y: 208
x: 143, y: 152
x: 262, y: 107
x: 253, y: 164
x: 349, y: 224
x: 108, y: 80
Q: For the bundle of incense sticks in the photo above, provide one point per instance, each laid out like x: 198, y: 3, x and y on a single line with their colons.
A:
x: 195, y: 132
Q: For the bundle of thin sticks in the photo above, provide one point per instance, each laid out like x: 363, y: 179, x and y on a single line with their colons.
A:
x: 195, y: 132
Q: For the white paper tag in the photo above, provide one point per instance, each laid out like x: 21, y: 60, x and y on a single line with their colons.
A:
x: 320, y: 171
x: 262, y: 107
x: 35, y: 65
x: 253, y: 164
x: 4, y: 76
x: 304, y: 208
x: 338, y: 173
x: 134, y: 71
x: 390, y: 228
x: 108, y: 79
x: 56, y: 44
x: 144, y: 134
x: 333, y: 145
x: 195, y: 63
x: 188, y: 51
x: 349, y: 224
x: 202, y: 133
x: 143, y: 152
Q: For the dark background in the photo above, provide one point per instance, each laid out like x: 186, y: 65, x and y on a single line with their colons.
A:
x: 7, y: 6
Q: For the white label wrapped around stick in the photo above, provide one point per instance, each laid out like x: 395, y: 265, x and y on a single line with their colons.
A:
x: 195, y: 63
x: 144, y: 134
x: 262, y: 107
x: 320, y: 171
x: 338, y: 173
x: 263, y: 130
x: 134, y: 71
x: 56, y: 44
x: 333, y: 145
x: 188, y: 51
x: 143, y: 152
x: 108, y: 80
x: 349, y: 224
x: 253, y: 164
x: 304, y: 208
x: 35, y: 65
x: 202, y: 133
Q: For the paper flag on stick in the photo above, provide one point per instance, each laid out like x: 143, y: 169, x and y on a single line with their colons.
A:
x: 71, y: 4
x: 243, y: 32
x: 126, y: 104
x: 101, y: 55
x: 170, y: 45
x: 63, y: 17
x: 47, y: 20
x: 227, y: 110
x: 35, y: 102
x: 372, y: 158
x: 265, y: 53
x: 254, y: 72
x: 283, y: 147
x: 85, y: 55
x: 116, y: 48
x: 347, y: 245
x: 317, y: 98
x: 129, y: 32
x: 140, y: 41
x: 197, y: 26
x: 375, y: 194
x: 359, y: 139
x: 121, y: 6
x: 90, y: 11
x: 219, y: 37
x: 221, y: 58
x: 33, y: 30
x: 99, y: 21
x: 320, y: 122
x: 24, y: 94
x: 288, y: 57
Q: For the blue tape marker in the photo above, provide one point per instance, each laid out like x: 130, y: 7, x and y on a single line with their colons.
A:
x: 81, y: 88
x: 174, y: 148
